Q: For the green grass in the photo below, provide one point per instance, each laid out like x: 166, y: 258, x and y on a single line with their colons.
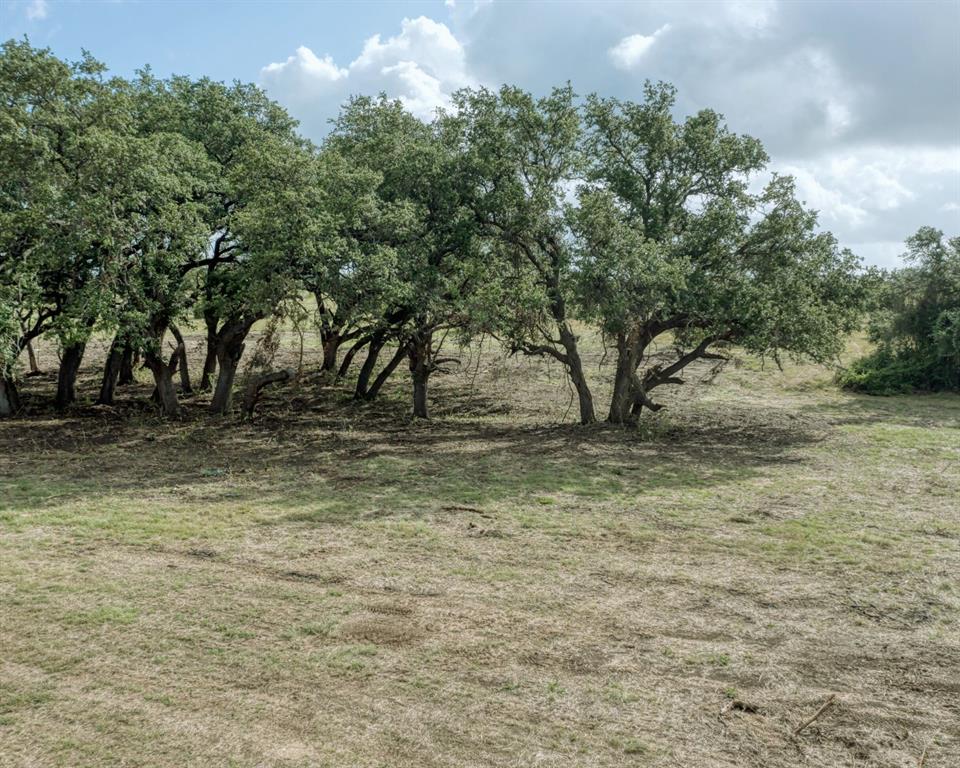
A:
x: 331, y: 584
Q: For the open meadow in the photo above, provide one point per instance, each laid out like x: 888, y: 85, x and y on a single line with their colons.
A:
x: 333, y: 584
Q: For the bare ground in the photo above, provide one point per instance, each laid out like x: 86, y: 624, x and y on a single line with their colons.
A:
x: 330, y: 584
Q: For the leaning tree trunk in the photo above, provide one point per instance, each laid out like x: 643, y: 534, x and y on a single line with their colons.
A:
x: 366, y: 371
x: 111, y: 373
x: 351, y: 353
x: 575, y: 371
x: 257, y: 383
x: 67, y: 375
x: 9, y: 397
x: 385, y: 374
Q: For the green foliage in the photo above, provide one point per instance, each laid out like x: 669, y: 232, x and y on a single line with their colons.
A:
x: 671, y: 241
x: 915, y: 323
x: 63, y: 143
x: 133, y: 204
x: 521, y: 156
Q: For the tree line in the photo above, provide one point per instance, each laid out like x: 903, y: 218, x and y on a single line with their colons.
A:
x: 914, y: 322
x: 131, y: 206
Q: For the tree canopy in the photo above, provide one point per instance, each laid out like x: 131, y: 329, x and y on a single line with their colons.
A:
x: 130, y: 207
x: 914, y: 322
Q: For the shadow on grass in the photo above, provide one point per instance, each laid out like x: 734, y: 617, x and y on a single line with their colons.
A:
x: 313, y: 456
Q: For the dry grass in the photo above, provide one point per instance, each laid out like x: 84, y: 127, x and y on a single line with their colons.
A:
x: 331, y: 585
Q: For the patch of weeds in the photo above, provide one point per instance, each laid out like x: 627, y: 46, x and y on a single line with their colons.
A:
x: 317, y: 628
x: 616, y: 693
x: 554, y: 688
x: 635, y: 747
x: 159, y: 698
x: 14, y: 699
x: 350, y: 659
x: 234, y: 633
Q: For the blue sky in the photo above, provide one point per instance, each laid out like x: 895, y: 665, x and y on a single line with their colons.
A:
x: 859, y: 100
x: 225, y: 40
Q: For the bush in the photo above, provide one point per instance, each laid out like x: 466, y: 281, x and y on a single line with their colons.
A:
x: 883, y: 373
x: 915, y: 323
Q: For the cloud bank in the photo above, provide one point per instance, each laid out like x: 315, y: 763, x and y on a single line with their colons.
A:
x: 422, y: 66
x: 860, y: 102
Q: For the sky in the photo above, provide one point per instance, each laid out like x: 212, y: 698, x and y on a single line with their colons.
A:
x: 859, y: 101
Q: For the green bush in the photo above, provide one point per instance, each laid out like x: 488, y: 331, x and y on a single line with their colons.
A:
x: 883, y: 373
x: 915, y: 323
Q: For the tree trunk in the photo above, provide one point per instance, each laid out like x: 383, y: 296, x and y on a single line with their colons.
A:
x: 575, y: 371
x: 166, y: 392
x: 420, y: 368
x: 363, y: 380
x: 223, y: 392
x: 111, y: 372
x: 32, y: 358
x: 385, y: 374
x: 257, y: 383
x: 348, y: 358
x: 229, y: 351
x: 182, y: 365
x: 127, y: 362
x: 622, y: 401
x: 9, y: 397
x: 210, y: 361
x: 67, y: 375
x: 330, y: 338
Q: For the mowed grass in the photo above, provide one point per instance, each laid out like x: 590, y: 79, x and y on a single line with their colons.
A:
x: 332, y: 585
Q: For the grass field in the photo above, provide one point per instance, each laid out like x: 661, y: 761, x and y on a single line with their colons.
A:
x: 332, y: 585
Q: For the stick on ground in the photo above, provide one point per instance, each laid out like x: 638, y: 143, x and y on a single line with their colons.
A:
x: 823, y: 708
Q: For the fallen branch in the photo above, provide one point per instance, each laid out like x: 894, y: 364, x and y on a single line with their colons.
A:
x: 823, y: 708
x: 257, y: 383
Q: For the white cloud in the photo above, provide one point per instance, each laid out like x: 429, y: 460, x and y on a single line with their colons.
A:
x: 858, y: 188
x: 421, y: 66
x: 628, y: 52
x: 308, y: 67
x: 818, y: 191
x: 872, y: 147
x: 751, y: 17
x: 881, y: 253
x: 37, y: 10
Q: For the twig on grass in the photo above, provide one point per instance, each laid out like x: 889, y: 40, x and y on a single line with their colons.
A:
x: 823, y: 708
